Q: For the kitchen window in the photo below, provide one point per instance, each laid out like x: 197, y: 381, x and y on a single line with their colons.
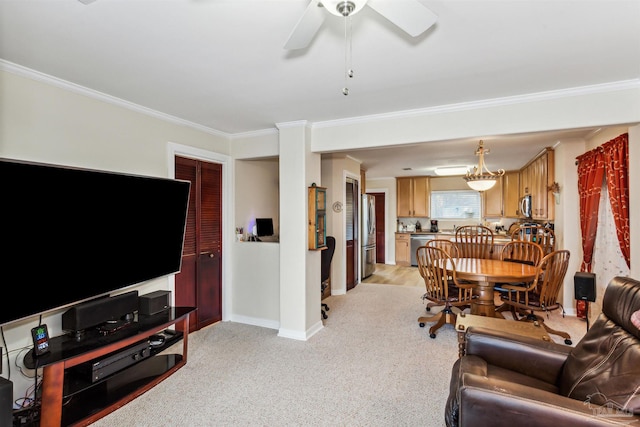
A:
x: 455, y: 204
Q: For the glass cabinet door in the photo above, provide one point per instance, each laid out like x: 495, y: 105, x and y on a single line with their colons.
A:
x: 317, y: 217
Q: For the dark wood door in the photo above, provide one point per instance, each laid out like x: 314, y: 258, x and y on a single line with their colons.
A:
x: 199, y: 283
x: 380, y: 227
x: 352, y: 232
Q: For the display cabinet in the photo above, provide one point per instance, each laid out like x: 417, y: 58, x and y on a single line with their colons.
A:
x: 317, y: 217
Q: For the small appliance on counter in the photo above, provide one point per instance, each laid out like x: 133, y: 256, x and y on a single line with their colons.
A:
x: 434, y: 226
x: 418, y: 226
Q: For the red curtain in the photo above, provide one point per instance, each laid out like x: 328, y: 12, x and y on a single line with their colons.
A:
x: 610, y: 160
x: 590, y: 176
x: 616, y: 158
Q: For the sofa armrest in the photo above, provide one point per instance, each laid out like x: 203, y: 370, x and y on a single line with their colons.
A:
x: 497, y: 403
x: 512, y: 352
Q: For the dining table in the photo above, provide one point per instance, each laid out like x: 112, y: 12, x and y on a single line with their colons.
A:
x: 485, y: 273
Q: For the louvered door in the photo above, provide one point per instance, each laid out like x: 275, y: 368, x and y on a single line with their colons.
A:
x: 199, y: 283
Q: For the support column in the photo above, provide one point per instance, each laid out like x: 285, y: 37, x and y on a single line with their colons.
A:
x: 299, y: 267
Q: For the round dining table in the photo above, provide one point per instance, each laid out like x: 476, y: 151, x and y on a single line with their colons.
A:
x: 485, y: 273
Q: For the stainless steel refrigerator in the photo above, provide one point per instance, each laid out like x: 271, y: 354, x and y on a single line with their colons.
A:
x: 368, y: 235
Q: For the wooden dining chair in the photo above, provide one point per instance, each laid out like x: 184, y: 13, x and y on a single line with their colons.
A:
x: 450, y: 248
x: 441, y: 287
x: 542, y: 236
x: 474, y: 241
x: 541, y: 295
x: 523, y: 252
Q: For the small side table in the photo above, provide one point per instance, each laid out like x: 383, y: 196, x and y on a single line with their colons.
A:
x: 527, y: 329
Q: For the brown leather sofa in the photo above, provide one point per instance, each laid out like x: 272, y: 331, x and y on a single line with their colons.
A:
x: 509, y: 380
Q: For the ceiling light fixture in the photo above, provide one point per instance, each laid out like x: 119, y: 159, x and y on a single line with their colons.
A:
x: 451, y: 170
x: 479, y: 180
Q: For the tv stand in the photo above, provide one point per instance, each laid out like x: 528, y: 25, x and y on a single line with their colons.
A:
x: 70, y: 397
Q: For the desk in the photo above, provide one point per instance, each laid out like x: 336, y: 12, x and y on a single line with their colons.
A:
x: 486, y: 272
x: 527, y: 329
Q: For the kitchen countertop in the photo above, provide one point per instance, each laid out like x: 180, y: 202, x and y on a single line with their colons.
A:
x: 498, y: 237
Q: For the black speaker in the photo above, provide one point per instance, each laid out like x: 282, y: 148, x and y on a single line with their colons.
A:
x: 6, y: 405
x: 99, y: 311
x: 585, y: 286
x: 154, y: 302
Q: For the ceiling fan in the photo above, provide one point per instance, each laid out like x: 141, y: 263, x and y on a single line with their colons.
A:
x: 410, y: 15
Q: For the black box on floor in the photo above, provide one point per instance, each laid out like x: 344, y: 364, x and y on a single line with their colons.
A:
x: 6, y: 406
x: 585, y: 286
x: 154, y: 302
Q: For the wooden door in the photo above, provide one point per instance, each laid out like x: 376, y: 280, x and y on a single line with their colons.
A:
x: 199, y: 283
x: 352, y: 235
x: 380, y: 228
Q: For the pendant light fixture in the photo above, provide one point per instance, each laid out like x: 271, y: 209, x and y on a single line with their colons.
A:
x: 479, y: 180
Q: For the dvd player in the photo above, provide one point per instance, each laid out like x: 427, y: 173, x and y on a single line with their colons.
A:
x: 99, y: 369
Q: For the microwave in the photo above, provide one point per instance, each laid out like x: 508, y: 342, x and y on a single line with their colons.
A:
x: 525, y: 206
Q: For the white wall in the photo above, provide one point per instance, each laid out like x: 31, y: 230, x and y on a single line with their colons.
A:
x: 43, y: 122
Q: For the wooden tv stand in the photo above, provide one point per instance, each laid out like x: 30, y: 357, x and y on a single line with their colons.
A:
x: 70, y: 397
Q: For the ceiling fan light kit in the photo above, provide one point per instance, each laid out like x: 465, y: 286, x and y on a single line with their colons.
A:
x: 343, y: 8
x: 479, y: 180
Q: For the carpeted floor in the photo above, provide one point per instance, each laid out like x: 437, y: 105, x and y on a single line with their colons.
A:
x: 371, y: 365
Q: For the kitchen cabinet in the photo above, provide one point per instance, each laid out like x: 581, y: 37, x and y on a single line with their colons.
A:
x: 492, y: 200
x: 403, y: 249
x: 317, y: 217
x: 511, y: 194
x: 535, y: 179
x: 412, y: 196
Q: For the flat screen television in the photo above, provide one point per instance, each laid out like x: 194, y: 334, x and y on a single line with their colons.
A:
x: 71, y: 234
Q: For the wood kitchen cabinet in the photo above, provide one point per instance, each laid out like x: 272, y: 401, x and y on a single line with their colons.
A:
x: 511, y: 194
x: 403, y: 249
x: 535, y: 179
x: 412, y: 196
x: 492, y: 200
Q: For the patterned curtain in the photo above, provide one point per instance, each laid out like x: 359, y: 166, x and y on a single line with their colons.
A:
x: 610, y: 159
x: 616, y: 158
x: 590, y: 176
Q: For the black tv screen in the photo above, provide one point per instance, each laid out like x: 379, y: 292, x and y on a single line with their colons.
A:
x: 71, y: 234
x: 264, y: 227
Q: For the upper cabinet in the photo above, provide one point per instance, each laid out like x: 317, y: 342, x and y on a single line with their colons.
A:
x: 412, y: 196
x: 511, y: 194
x: 536, y: 179
x: 492, y: 200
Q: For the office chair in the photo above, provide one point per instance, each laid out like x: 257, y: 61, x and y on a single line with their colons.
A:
x: 325, y: 270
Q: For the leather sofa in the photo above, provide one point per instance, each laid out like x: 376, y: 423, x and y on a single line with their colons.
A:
x: 507, y: 380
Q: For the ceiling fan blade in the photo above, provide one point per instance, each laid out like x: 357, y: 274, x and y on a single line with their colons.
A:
x: 410, y: 15
x: 307, y: 26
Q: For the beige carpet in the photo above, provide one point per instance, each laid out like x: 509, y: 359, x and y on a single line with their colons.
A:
x: 372, y: 365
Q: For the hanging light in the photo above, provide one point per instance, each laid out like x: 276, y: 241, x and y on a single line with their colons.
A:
x: 479, y: 180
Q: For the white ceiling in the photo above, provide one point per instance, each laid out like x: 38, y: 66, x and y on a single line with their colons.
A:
x: 221, y: 64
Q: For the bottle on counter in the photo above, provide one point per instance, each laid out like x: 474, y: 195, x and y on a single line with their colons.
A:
x: 418, y: 226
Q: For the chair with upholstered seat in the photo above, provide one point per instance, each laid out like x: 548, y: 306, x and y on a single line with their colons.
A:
x: 441, y: 287
x: 541, y: 295
x: 325, y: 270
x: 474, y: 241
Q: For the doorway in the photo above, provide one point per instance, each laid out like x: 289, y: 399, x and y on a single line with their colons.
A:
x: 199, y: 283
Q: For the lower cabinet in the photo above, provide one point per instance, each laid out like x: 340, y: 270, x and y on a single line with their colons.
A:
x: 403, y: 249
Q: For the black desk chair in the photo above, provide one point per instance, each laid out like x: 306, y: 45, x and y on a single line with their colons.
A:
x: 325, y: 271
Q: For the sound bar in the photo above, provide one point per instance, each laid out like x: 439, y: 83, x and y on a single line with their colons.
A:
x: 98, y: 311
